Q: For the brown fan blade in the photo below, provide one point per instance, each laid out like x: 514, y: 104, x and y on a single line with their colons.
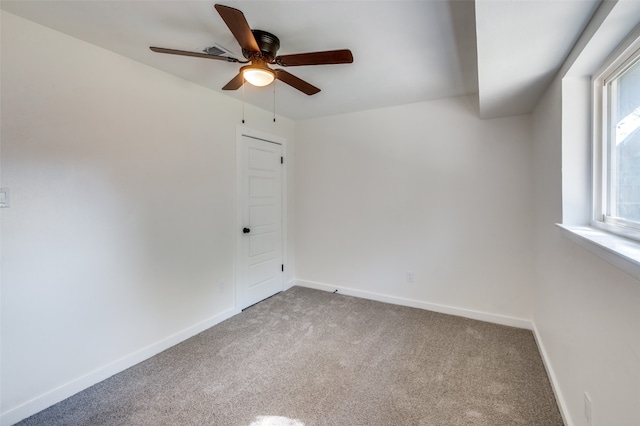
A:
x: 194, y: 54
x: 296, y: 83
x: 235, y: 83
x: 328, y: 57
x: 239, y: 27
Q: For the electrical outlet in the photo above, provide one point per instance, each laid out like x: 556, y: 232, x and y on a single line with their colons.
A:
x: 587, y: 408
x: 410, y: 276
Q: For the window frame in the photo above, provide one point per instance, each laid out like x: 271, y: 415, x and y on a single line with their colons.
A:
x: 616, y: 64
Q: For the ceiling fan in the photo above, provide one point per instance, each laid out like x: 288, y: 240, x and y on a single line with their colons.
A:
x: 259, y: 49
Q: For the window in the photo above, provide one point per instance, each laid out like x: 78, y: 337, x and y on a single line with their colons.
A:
x: 617, y: 144
x: 599, y: 130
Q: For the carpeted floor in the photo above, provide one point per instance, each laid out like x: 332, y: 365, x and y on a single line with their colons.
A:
x: 307, y: 357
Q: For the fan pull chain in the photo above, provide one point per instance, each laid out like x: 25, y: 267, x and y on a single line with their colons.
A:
x: 274, y: 101
x: 243, y: 82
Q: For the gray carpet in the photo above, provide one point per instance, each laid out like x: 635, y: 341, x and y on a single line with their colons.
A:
x: 306, y: 357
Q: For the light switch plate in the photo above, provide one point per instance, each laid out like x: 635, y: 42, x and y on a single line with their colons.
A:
x: 4, y: 197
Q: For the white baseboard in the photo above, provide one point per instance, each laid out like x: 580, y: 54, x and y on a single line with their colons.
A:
x: 566, y: 418
x: 444, y: 309
x: 63, y: 392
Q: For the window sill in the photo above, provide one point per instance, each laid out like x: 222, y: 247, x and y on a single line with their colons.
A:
x: 621, y: 252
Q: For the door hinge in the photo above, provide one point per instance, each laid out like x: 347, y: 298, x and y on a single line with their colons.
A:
x: 281, y: 160
x: 283, y: 268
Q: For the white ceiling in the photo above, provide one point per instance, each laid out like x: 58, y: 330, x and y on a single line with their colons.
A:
x: 404, y: 51
x: 521, y: 45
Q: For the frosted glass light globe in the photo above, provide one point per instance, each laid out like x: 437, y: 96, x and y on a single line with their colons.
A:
x: 258, y: 76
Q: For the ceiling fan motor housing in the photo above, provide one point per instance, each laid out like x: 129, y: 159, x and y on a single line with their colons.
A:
x: 268, y: 45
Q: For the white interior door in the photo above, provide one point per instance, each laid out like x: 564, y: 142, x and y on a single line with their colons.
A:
x: 260, y: 201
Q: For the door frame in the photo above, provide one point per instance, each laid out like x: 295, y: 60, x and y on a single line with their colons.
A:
x: 246, y: 131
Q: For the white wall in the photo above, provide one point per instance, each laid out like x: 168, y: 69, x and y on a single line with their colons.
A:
x: 587, y: 314
x: 586, y: 311
x: 428, y: 188
x: 122, y: 217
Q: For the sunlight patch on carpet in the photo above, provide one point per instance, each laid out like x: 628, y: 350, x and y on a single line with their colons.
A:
x: 275, y: 421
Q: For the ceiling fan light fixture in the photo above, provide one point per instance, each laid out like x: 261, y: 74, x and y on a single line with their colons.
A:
x: 258, y: 76
x: 260, y: 48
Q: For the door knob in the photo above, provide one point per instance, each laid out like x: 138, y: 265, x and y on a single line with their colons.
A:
x: 246, y: 230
